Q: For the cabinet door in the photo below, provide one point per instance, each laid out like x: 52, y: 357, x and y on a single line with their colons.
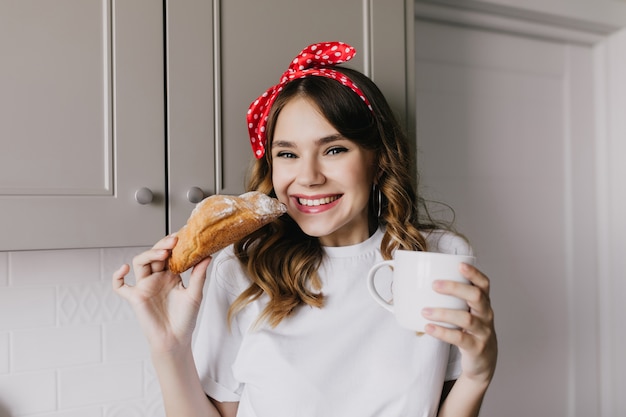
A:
x: 221, y: 55
x: 82, y: 122
x: 260, y: 38
x: 190, y: 106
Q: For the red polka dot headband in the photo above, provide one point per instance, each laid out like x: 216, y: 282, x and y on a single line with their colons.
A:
x: 311, y: 61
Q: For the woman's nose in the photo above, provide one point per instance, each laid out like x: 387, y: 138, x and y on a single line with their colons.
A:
x: 310, y: 172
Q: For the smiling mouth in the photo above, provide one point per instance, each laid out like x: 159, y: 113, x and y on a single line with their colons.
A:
x: 317, y: 201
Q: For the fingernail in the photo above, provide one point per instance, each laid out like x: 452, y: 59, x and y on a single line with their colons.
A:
x: 427, y: 311
x: 438, y: 284
x: 464, y: 267
x: 429, y: 328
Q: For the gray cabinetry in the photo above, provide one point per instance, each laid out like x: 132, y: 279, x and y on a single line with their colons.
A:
x: 81, y: 123
x: 102, y: 99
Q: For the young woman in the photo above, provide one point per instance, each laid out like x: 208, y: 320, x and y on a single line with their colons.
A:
x: 287, y: 327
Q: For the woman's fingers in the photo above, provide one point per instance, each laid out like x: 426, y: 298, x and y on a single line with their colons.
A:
x: 451, y: 336
x: 461, y: 319
x: 475, y: 294
x: 197, y: 278
x: 166, y: 244
x: 476, y: 277
x: 119, y: 286
x: 479, y: 319
x: 476, y: 333
x: 143, y: 263
x: 153, y: 260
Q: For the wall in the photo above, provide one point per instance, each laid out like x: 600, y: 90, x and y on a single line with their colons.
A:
x: 69, y: 346
x: 558, y: 268
x: 611, y: 201
x: 611, y: 12
x: 492, y: 136
x: 593, y: 14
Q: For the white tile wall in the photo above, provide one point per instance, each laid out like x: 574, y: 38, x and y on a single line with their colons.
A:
x: 70, y: 347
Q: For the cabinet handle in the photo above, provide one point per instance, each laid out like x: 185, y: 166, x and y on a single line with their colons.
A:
x: 195, y: 195
x: 144, y: 196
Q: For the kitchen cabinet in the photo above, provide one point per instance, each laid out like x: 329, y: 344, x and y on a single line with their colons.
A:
x: 113, y: 112
x: 82, y: 115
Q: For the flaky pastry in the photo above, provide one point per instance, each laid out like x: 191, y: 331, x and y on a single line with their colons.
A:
x: 219, y: 220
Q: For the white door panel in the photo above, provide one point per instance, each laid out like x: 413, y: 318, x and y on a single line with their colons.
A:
x: 504, y: 137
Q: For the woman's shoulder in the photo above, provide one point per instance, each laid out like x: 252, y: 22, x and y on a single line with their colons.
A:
x: 445, y: 241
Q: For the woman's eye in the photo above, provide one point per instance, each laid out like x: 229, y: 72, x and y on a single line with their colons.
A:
x: 336, y: 150
x: 284, y: 154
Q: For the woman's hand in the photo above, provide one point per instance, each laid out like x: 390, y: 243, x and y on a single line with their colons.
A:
x: 476, y: 337
x: 166, y: 310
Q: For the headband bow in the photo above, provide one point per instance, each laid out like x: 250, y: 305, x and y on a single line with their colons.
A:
x: 311, y: 61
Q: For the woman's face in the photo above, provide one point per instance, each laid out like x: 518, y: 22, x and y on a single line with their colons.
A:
x: 324, y: 179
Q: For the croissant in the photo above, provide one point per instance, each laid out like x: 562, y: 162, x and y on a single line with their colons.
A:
x: 219, y: 220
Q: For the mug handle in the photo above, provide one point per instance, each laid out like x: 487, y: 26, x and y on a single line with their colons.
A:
x: 372, y: 288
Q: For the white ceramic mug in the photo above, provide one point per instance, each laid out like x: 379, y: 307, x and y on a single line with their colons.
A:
x: 413, y: 276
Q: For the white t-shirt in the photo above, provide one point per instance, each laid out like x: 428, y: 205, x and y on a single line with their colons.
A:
x: 349, y: 358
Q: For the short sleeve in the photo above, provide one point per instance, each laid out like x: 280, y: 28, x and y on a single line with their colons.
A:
x: 216, y: 343
x: 448, y: 242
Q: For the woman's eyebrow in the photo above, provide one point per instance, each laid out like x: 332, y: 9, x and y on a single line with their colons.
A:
x: 321, y: 141
x: 329, y: 139
x: 282, y: 144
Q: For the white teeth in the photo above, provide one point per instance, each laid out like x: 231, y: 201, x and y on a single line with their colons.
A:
x: 317, y: 202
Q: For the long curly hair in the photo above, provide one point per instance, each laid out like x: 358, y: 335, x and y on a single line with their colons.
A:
x: 280, y: 259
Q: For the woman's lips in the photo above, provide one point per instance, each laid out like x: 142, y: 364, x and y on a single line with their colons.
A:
x: 317, y: 201
x: 315, y: 204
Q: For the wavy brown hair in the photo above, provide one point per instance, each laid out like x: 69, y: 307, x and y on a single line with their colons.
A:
x: 280, y: 259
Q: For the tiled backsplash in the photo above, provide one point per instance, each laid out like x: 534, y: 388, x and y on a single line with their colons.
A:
x: 69, y: 346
